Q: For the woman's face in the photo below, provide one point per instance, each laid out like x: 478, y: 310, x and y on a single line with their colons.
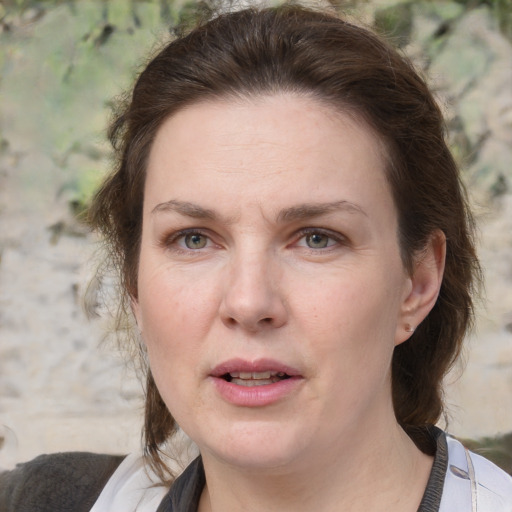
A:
x: 271, y: 292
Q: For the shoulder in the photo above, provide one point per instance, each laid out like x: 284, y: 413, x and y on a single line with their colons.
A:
x: 491, y: 479
x: 59, y: 482
x: 478, y: 481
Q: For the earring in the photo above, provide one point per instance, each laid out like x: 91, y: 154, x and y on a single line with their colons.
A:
x: 409, y: 328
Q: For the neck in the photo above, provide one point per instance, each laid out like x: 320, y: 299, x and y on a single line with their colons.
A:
x: 381, y: 472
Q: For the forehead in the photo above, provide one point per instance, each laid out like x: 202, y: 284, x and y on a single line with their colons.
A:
x: 250, y: 116
x: 276, y: 146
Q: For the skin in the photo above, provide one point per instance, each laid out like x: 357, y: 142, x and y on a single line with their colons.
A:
x: 291, y: 254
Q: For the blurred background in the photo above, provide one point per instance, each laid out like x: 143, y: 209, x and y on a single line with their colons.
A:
x: 63, y: 385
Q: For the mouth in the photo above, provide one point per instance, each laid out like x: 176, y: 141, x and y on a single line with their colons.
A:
x: 250, y: 379
x: 255, y: 383
x: 261, y: 372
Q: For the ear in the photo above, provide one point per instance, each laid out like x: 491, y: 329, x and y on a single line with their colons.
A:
x: 425, y: 282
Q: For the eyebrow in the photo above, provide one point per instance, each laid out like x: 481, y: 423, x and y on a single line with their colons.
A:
x: 185, y: 208
x: 293, y: 213
x: 312, y: 210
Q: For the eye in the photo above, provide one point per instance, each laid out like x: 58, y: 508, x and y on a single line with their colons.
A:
x: 186, y: 240
x: 316, y: 239
x: 194, y: 240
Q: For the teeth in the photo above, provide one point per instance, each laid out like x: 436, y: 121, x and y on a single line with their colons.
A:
x: 249, y: 379
x: 256, y: 375
x: 254, y: 382
x: 261, y: 375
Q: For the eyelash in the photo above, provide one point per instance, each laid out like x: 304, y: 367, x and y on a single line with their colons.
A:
x: 332, y: 236
x: 171, y: 241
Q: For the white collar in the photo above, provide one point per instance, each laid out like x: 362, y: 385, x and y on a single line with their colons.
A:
x: 133, y: 487
x: 474, y: 484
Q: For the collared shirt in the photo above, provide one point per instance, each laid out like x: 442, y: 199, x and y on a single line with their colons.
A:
x: 460, y: 481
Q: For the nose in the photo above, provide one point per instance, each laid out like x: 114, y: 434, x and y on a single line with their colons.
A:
x: 253, y: 299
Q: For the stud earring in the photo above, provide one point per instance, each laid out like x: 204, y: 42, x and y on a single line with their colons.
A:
x: 409, y: 328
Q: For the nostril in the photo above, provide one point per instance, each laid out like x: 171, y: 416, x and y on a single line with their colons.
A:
x: 230, y: 321
x: 252, y: 325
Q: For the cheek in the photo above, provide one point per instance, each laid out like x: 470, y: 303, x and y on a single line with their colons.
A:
x: 169, y: 297
x: 349, y: 339
x: 176, y: 314
x: 177, y: 317
x: 344, y: 303
x: 172, y: 327
x: 349, y: 324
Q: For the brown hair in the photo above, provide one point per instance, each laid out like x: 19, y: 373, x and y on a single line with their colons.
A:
x: 294, y: 49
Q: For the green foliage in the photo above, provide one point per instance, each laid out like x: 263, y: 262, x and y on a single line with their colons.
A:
x: 192, y: 13
x: 395, y: 22
x: 501, y: 9
x: 503, y: 12
x: 59, y: 73
x: 61, y: 69
x: 81, y: 190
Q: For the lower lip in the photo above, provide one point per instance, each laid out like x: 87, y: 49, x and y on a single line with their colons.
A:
x: 256, y: 396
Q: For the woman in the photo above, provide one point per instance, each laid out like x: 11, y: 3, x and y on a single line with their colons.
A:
x: 295, y: 245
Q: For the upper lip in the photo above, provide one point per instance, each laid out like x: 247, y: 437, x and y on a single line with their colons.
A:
x: 259, y: 365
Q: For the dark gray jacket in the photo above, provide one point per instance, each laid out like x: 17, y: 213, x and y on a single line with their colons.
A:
x: 72, y: 482
x: 60, y: 482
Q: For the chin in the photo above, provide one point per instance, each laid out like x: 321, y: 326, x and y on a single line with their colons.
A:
x: 255, y: 447
x: 254, y: 459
